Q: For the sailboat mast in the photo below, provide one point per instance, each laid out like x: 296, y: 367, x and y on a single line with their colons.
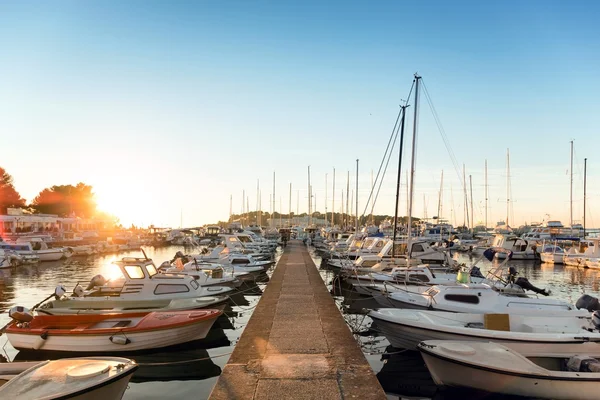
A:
x: 333, y: 202
x: 571, y: 195
x: 356, y: 199
x: 472, y: 222
x: 273, y: 216
x: 412, y: 166
x: 439, y: 210
x: 309, y: 199
x: 397, y: 181
x: 290, y: 209
x: 258, y: 202
x: 507, y: 186
x: 584, y: 191
x: 347, y: 217
x: 373, y: 200
x: 486, y: 197
x: 466, y: 208
x: 326, y: 199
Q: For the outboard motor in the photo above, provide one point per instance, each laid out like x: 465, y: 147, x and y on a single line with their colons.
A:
x: 97, y: 280
x: 596, y: 319
x: 476, y: 272
x: 526, y: 285
x: 588, y: 302
x: 78, y: 291
x: 20, y: 314
x: 512, y: 274
x: 59, y: 292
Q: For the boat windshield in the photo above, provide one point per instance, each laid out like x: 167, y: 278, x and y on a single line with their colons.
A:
x: 151, y: 270
x: 134, y: 271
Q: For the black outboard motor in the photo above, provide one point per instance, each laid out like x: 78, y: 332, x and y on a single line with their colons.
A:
x: 526, y: 285
x: 512, y: 274
x: 476, y: 272
x: 588, y: 302
x: 97, y: 280
x: 596, y: 319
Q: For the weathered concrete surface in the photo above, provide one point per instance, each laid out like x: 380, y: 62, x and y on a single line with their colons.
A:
x: 297, y: 344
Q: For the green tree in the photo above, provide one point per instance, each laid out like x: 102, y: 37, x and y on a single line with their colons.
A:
x: 64, y: 200
x: 9, y: 197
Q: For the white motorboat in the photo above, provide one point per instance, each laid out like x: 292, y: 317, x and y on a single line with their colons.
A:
x: 140, y: 286
x: 101, y: 305
x: 24, y: 253
x: 469, y: 298
x: 45, y: 253
x: 520, y: 249
x: 109, y: 333
x: 591, y: 250
x: 417, y: 275
x: 542, y: 334
x: 90, y: 378
x: 552, y: 254
x: 494, y: 368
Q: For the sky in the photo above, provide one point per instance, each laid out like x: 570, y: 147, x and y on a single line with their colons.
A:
x: 170, y: 108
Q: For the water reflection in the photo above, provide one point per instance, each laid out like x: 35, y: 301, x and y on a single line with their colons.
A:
x: 403, y: 374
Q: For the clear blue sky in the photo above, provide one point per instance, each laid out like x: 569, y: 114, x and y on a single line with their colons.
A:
x: 171, y: 106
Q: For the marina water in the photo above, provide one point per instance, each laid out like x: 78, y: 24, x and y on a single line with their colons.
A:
x: 189, y: 370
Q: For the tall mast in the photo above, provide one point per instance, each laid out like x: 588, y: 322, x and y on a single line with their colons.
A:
x: 326, y: 199
x: 471, y: 185
x: 412, y: 166
x: 258, y: 202
x: 309, y: 199
x: 507, y: 186
x: 584, y: 191
x: 356, y: 199
x: 486, y: 197
x: 439, y: 210
x: 273, y: 216
x: 333, y: 201
x: 298, y: 207
x: 466, y: 214
x: 347, y: 217
x: 290, y: 209
x: 230, y: 206
x: 343, y: 220
x: 373, y: 200
x: 397, y: 180
x: 571, y: 198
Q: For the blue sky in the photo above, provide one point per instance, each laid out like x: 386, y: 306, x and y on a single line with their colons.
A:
x: 170, y: 107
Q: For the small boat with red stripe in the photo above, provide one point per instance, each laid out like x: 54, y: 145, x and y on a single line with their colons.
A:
x: 108, y: 332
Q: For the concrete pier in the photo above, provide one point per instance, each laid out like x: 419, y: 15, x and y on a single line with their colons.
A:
x: 297, y: 344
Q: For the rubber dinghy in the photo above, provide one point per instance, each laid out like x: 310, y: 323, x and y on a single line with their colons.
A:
x: 110, y: 332
x: 494, y: 368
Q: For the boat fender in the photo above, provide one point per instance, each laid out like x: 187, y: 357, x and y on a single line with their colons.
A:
x: 39, y: 342
x: 78, y: 291
x: 97, y: 280
x: 588, y: 302
x: 119, y: 340
x: 20, y: 314
x: 596, y: 319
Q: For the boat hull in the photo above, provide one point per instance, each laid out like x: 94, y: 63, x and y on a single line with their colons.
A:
x: 446, y: 372
x: 408, y: 337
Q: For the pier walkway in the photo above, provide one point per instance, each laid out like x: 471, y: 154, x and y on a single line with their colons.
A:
x: 297, y: 344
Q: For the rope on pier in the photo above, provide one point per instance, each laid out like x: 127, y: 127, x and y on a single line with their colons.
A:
x: 183, y: 361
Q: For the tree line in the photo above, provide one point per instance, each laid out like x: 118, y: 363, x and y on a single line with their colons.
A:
x: 61, y: 200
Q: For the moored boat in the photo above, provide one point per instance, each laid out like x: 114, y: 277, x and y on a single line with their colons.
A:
x: 110, y: 332
x: 91, y: 378
x: 545, y: 334
x: 494, y: 368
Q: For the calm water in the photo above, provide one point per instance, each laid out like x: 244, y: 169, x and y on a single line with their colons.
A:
x: 403, y: 374
x: 169, y: 373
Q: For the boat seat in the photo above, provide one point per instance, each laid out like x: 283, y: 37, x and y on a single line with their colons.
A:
x: 81, y: 327
x: 121, y: 324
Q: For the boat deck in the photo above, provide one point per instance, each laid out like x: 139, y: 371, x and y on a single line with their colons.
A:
x: 297, y: 344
